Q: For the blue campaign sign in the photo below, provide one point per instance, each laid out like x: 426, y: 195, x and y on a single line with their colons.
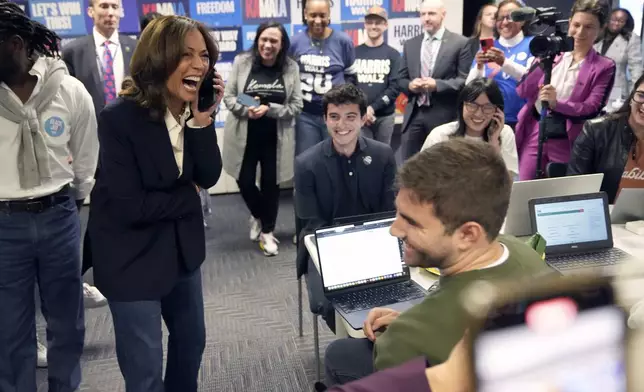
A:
x: 353, y: 10
x: 403, y: 8
x: 259, y: 11
x: 129, y: 23
x: 180, y: 7
x: 66, y: 18
x: 215, y: 13
x: 23, y: 4
x: 249, y: 32
x: 229, y: 41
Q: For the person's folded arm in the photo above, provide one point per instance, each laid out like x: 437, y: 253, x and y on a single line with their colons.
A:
x: 230, y: 92
x: 594, y: 103
x: 455, y: 84
x: 133, y: 204
x: 293, y: 107
x: 205, y: 153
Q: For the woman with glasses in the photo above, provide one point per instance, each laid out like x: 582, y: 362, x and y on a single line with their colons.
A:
x: 621, y: 44
x: 480, y: 116
x: 614, y: 145
x: 507, y: 61
x: 578, y: 91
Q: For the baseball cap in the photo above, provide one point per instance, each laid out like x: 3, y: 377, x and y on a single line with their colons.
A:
x: 377, y: 10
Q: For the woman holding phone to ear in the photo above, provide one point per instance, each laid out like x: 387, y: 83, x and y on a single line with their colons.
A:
x: 480, y: 116
x: 262, y: 131
x: 146, y: 224
x: 507, y: 60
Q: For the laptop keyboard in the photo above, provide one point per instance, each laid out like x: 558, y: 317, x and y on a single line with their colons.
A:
x: 378, y: 296
x: 603, y: 258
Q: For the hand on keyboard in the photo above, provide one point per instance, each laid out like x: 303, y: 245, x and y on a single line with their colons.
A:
x: 376, y: 319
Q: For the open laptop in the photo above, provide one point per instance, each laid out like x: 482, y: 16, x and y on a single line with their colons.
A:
x: 362, y: 267
x: 577, y: 232
x: 629, y: 206
x: 517, y: 221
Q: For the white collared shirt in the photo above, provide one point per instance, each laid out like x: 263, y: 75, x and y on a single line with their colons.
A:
x: 176, y: 132
x: 69, y: 127
x: 564, y: 78
x: 436, y: 45
x: 117, y: 56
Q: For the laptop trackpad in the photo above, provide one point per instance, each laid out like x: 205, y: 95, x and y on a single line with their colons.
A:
x: 356, y: 319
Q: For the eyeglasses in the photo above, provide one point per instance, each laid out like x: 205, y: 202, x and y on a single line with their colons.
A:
x: 472, y: 107
x: 638, y: 97
x: 623, y: 21
x: 504, y: 17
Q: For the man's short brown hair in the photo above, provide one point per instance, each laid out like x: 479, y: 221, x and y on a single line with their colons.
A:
x: 463, y: 180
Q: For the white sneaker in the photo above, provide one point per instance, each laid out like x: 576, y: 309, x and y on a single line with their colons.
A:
x: 92, y: 297
x: 268, y: 243
x: 42, y: 355
x: 255, y: 229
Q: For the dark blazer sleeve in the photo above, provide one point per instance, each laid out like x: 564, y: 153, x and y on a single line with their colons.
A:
x: 387, y: 192
x: 583, y: 151
x: 68, y: 58
x: 203, y: 147
x: 409, y: 377
x: 120, y: 173
x: 464, y: 63
x: 306, y: 201
x: 403, y: 75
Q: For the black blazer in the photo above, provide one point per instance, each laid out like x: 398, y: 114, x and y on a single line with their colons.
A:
x: 80, y: 58
x: 145, y: 221
x: 317, y: 181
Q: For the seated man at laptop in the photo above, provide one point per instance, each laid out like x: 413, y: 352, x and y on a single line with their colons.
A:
x: 342, y: 176
x: 451, y: 204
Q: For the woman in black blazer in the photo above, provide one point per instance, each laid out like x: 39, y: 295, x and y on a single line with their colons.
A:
x: 148, y: 239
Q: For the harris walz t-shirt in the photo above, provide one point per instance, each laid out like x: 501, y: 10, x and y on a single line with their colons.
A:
x: 266, y: 83
x: 323, y: 64
x: 375, y: 67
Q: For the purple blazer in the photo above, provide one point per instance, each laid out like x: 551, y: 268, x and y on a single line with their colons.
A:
x: 409, y: 377
x: 588, y: 98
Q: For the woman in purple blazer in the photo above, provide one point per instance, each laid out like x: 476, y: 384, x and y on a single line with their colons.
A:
x: 580, y: 85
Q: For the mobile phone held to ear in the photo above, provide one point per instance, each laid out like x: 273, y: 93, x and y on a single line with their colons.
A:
x: 487, y: 44
x: 247, y: 100
x: 207, y: 92
x: 557, y: 334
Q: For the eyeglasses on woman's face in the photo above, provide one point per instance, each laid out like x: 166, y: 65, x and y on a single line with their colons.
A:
x: 638, y: 97
x: 473, y: 107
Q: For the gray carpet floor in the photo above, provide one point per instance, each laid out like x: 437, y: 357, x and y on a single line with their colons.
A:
x: 252, y: 341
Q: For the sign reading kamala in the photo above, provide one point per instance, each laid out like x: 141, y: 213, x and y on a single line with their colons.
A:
x: 357, y: 9
x: 229, y: 41
x: 217, y: 12
x: 357, y: 32
x: 400, y: 30
x: 66, y: 18
x: 259, y: 11
x: 22, y: 4
x: 249, y: 32
x: 129, y: 18
x: 404, y: 8
x: 163, y: 7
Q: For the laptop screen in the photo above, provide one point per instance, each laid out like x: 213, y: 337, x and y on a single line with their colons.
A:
x: 352, y: 255
x: 572, y: 221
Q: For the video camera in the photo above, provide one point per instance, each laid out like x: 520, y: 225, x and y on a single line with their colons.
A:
x: 542, y: 45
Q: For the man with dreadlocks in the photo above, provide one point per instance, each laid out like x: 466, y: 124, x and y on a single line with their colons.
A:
x: 46, y: 116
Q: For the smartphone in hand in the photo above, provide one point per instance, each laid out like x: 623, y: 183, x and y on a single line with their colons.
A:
x: 487, y: 44
x: 247, y: 100
x: 207, y: 92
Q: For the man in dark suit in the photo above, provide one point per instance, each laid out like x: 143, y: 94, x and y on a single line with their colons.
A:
x: 433, y: 70
x: 101, y: 60
x: 343, y: 176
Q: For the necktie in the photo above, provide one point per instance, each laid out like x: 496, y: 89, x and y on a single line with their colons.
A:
x: 427, y: 58
x: 109, y: 83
